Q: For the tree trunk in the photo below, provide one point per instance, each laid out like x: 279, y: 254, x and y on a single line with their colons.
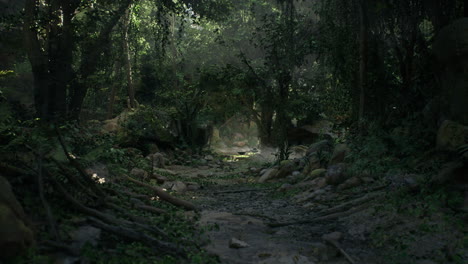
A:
x: 363, y: 50
x: 117, y: 73
x: 128, y: 59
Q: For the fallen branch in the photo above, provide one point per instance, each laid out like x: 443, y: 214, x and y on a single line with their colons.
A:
x: 341, y: 250
x: 164, y: 195
x: 133, y: 235
x: 322, y: 218
x: 245, y: 190
x: 106, y: 217
x: 150, y: 209
x: 345, y: 206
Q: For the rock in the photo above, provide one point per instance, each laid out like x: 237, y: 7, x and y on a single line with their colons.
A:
x: 269, y: 174
x: 451, y: 135
x: 448, y: 172
x: 110, y: 126
x: 286, y: 169
x: 315, y: 184
x: 316, y: 173
x: 159, y: 178
x: 236, y: 243
x: 239, y: 144
x: 139, y: 173
x: 323, y: 252
x: 336, y: 174
x: 254, y: 170
x: 152, y: 148
x: 323, y: 145
x: 157, y: 160
x: 192, y: 186
x: 285, y: 187
x: 339, y: 153
x: 333, y: 237
x: 15, y: 236
x: 85, y: 234
x: 309, y: 195
x: 179, y: 187
x: 165, y: 171
x: 209, y: 158
x: 312, y: 164
x: 349, y: 183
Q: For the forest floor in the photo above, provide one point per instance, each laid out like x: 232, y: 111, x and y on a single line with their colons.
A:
x: 355, y: 226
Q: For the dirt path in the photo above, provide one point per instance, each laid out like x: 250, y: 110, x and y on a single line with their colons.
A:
x: 239, y: 210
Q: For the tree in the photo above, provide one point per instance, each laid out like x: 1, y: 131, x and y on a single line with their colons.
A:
x: 52, y: 44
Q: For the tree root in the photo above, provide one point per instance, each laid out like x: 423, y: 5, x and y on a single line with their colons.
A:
x: 133, y: 235
x: 246, y: 190
x: 341, y: 210
x: 106, y: 217
x: 164, y: 195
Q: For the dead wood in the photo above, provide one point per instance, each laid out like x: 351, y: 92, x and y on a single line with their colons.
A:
x: 133, y: 235
x: 341, y: 250
x: 150, y: 209
x: 345, y: 206
x: 164, y: 195
x: 245, y: 190
x: 106, y: 217
x: 339, y: 211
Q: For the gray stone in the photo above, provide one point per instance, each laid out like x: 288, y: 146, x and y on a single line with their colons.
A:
x: 236, y: 243
x: 336, y: 174
x: 15, y: 236
x: 269, y: 174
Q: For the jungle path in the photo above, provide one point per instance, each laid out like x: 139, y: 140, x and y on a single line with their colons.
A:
x: 238, y: 213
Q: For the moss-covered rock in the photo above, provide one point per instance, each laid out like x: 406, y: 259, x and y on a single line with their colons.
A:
x: 15, y: 236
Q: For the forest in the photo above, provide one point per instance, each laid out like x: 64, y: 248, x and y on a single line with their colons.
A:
x: 248, y: 131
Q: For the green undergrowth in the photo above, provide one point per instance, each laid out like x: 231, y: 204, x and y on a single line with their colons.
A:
x: 424, y: 225
x: 89, y: 148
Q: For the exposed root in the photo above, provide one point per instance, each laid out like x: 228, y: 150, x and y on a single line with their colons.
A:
x: 164, y: 195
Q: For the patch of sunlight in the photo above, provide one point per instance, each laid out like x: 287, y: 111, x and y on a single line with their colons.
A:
x: 100, y: 180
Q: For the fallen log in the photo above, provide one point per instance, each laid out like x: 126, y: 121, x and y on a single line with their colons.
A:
x: 164, y: 195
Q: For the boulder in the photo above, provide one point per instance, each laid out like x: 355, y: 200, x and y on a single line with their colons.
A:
x: 179, y: 187
x: 349, y: 183
x: 286, y: 169
x: 139, y: 173
x: 336, y: 174
x: 15, y: 236
x: 312, y: 163
x: 451, y: 135
x: 339, y: 153
x: 236, y: 243
x: 157, y: 160
x: 268, y: 174
x: 209, y: 158
x: 316, y: 173
x: 323, y: 145
x: 451, y: 51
